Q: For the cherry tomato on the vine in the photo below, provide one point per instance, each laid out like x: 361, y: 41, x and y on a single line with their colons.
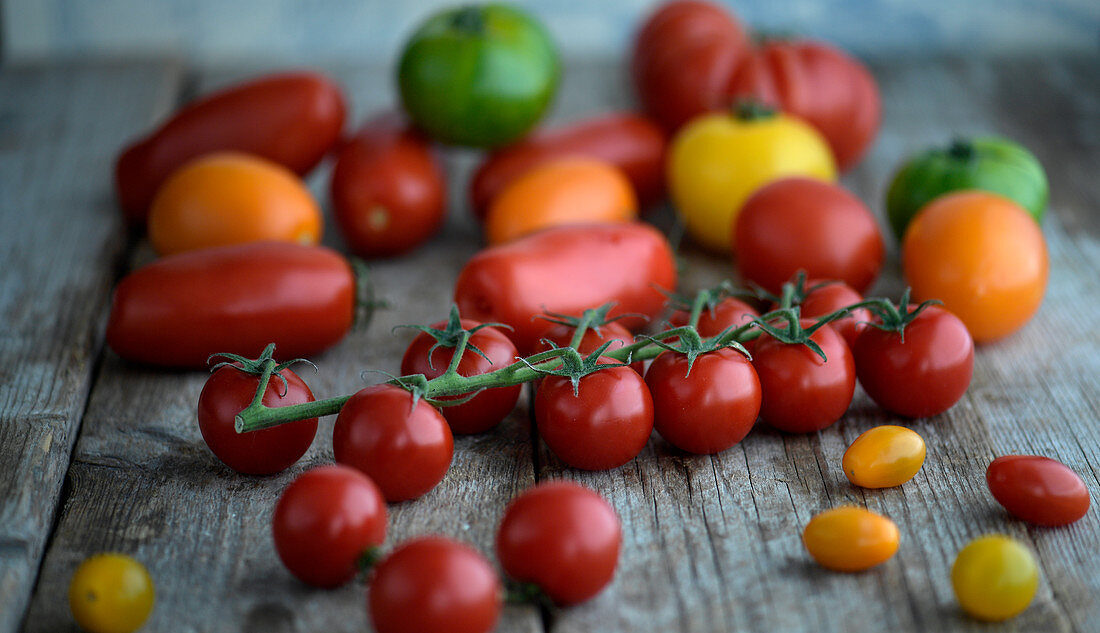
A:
x: 994, y: 578
x: 1039, y: 490
x: 850, y: 539
x: 111, y: 593
x: 730, y: 312
x: 884, y: 457
x: 832, y: 297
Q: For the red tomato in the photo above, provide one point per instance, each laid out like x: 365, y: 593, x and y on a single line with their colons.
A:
x: 709, y: 409
x: 226, y: 393
x: 683, y: 59
x: 1038, y: 490
x: 325, y: 520
x: 730, y: 312
x: 489, y: 407
x: 180, y: 309
x: 562, y: 335
x: 800, y: 392
x: 567, y: 270
x: 921, y: 375
x: 562, y: 537
x: 802, y: 224
x: 405, y: 449
x: 434, y: 584
x: 819, y: 84
x: 603, y: 426
x: 832, y: 297
x: 388, y: 190
x: 291, y: 118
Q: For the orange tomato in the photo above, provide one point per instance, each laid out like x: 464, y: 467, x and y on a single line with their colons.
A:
x: 567, y: 191
x: 230, y: 198
x: 983, y: 256
x: 884, y: 457
x: 850, y: 538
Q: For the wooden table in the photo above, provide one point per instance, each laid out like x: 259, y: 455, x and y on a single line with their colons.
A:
x: 97, y: 454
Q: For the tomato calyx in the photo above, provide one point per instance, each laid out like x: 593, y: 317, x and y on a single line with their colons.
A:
x: 793, y: 333
x: 573, y: 365
x: 454, y: 336
x: 265, y: 364
x: 895, y: 318
x: 469, y: 20
x: 367, y: 561
x: 793, y: 293
x: 591, y: 319
x: 527, y: 593
x: 752, y: 110
x: 365, y: 300
x: 961, y: 150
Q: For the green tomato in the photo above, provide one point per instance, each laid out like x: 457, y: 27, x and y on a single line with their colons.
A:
x: 478, y: 75
x: 992, y: 164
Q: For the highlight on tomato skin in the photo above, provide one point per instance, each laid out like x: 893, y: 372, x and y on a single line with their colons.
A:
x: 1039, y: 490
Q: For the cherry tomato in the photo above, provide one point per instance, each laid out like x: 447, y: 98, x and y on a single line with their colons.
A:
x: 604, y: 425
x: 111, y: 593
x: 179, y: 310
x: 922, y: 373
x: 291, y: 118
x: 831, y: 297
x: 709, y: 409
x: 226, y: 393
x: 561, y: 335
x: 1037, y: 489
x: 405, y: 449
x: 489, y: 407
x: 995, y: 578
x: 562, y: 537
x: 884, y: 457
x: 730, y: 312
x: 983, y: 256
x: 850, y: 539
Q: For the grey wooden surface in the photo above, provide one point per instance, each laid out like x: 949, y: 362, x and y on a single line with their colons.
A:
x: 711, y: 543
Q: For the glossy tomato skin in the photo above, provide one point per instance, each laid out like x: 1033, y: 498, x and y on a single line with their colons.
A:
x: 832, y: 297
x: 553, y: 271
x: 562, y: 537
x: 1039, y: 490
x: 388, y: 190
x: 884, y: 457
x: 489, y: 407
x: 619, y: 336
x: 179, y: 310
x: 111, y: 593
x: 730, y: 312
x: 226, y: 393
x: 995, y: 577
x: 709, y: 409
x: 405, y: 449
x: 291, y: 118
x: 630, y: 142
x: 433, y: 583
x: 850, y: 539
x: 325, y: 520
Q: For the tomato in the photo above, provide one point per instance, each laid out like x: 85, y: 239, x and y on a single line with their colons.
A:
x: 567, y: 270
x: 884, y: 457
x: 181, y: 309
x: 730, y: 312
x: 290, y: 118
x: 818, y: 84
x: 226, y: 393
x: 388, y: 190
x: 562, y: 537
x: 405, y: 449
x: 226, y: 198
x: 989, y: 163
x: 800, y: 392
x: 683, y: 58
x: 850, y: 539
x: 709, y: 409
x: 717, y: 161
x: 801, y: 224
x: 478, y: 75
x: 604, y: 425
x: 489, y: 407
x: 630, y: 142
x: 995, y: 578
x: 921, y: 373
x: 576, y: 190
x: 111, y: 593
x: 830, y: 296
x: 434, y: 584
x: 1037, y: 489
x: 983, y: 256
x: 561, y: 335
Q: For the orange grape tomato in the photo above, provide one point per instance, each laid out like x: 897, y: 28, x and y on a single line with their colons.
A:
x: 850, y: 538
x: 884, y: 457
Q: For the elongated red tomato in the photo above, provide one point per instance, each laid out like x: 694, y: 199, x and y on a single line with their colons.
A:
x: 291, y: 118
x: 1038, y: 490
x: 180, y: 309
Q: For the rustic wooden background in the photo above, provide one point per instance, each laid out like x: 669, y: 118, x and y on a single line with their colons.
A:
x: 97, y: 454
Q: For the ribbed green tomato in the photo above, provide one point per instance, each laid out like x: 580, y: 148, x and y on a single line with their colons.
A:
x: 992, y: 164
x: 478, y: 75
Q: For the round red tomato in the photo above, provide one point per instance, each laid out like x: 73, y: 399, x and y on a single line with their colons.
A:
x: 405, y: 449
x: 434, y: 584
x: 1038, y: 489
x: 832, y: 297
x: 730, y: 312
x: 562, y: 537
x: 562, y: 335
x: 325, y: 520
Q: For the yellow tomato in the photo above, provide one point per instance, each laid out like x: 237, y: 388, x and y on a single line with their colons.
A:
x: 995, y: 578
x: 884, y: 457
x: 111, y: 593
x: 718, y: 160
x: 229, y: 198
x: 850, y: 538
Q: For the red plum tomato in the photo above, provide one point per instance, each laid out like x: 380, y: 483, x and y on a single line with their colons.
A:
x: 1039, y: 490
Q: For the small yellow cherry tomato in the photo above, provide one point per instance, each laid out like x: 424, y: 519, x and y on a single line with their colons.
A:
x: 884, y: 457
x: 111, y: 593
x: 850, y: 538
x: 995, y: 578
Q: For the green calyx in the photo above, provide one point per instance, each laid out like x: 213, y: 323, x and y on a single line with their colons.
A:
x: 469, y: 19
x: 573, y: 366
x: 793, y: 333
x: 961, y: 149
x: 453, y: 335
x: 527, y: 593
x: 750, y: 110
x: 690, y: 344
x: 793, y: 293
x: 365, y: 301
x: 265, y: 364
x: 896, y: 317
